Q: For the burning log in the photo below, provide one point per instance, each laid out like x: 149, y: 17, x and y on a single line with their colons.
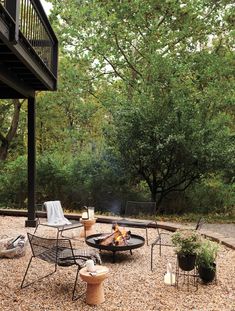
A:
x: 118, y: 237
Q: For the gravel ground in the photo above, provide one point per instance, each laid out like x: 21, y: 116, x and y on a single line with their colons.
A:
x: 131, y: 285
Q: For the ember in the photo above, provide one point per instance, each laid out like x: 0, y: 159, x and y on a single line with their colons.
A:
x: 118, y: 237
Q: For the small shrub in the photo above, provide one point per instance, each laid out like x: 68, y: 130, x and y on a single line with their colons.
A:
x: 207, y: 254
x: 186, y: 241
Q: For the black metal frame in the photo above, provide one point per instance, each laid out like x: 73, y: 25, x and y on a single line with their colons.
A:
x: 187, y: 277
x: 31, y: 221
x: 49, y: 250
x: 30, y: 24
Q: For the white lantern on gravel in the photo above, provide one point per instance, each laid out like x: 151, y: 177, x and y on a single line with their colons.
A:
x: 169, y: 277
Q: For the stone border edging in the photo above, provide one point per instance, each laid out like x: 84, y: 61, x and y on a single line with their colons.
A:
x: 169, y: 226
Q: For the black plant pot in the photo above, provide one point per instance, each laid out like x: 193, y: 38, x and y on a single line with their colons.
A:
x: 207, y: 274
x: 186, y: 262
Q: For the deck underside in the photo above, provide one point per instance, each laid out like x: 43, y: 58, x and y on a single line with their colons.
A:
x: 22, y: 70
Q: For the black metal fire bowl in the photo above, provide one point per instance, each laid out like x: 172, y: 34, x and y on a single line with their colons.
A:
x: 134, y: 242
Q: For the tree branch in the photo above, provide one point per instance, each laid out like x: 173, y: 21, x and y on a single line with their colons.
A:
x: 124, y: 55
x: 14, y: 121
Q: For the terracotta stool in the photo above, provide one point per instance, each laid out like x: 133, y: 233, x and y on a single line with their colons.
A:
x: 95, y: 290
x: 88, y: 227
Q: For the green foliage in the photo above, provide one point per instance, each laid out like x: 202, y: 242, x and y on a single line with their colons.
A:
x: 13, y: 183
x: 160, y: 77
x: 51, y: 177
x: 207, y: 254
x: 99, y: 179
x: 89, y: 179
x: 70, y: 114
x: 144, y: 106
x: 12, y: 128
x: 186, y: 241
x: 211, y: 195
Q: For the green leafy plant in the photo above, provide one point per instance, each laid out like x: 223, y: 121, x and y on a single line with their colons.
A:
x: 186, y: 241
x: 207, y: 254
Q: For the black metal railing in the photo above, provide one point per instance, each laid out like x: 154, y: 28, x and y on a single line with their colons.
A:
x: 32, y: 22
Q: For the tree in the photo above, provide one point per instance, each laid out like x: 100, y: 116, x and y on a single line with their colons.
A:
x: 70, y: 114
x: 168, y: 65
x: 8, y: 132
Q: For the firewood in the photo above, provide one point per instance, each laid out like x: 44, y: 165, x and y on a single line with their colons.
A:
x: 118, y: 237
x: 109, y: 240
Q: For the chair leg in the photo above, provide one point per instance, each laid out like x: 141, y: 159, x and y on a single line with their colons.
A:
x: 160, y: 246
x: 36, y: 228
x: 22, y: 283
x: 26, y: 285
x: 147, y: 238
x: 152, y: 257
x: 74, y: 297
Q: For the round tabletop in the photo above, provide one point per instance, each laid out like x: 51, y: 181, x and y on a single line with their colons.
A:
x: 94, y: 277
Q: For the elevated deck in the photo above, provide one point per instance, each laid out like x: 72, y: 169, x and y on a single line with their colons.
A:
x: 28, y: 49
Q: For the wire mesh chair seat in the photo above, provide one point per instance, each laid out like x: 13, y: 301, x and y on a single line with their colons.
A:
x: 164, y: 239
x: 40, y: 208
x: 60, y: 253
x: 138, y: 209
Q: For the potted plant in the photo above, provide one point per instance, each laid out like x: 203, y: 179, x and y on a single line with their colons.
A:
x: 186, y: 243
x: 206, y: 260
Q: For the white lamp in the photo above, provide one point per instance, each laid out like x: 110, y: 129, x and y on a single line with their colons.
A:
x: 169, y: 277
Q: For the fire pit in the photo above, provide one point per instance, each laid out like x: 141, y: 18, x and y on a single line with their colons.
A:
x: 118, y: 241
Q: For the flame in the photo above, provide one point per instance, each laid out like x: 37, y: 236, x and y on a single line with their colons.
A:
x: 120, y: 235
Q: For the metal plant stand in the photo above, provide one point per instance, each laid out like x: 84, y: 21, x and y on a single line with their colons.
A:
x: 186, y: 278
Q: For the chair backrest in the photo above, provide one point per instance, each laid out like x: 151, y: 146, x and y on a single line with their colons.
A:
x: 55, y: 214
x: 54, y: 208
x: 49, y: 249
x: 41, y: 207
x: 134, y: 208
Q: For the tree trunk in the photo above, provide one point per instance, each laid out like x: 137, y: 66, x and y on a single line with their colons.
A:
x: 154, y: 187
x: 3, y: 148
x: 5, y: 141
x: 153, y: 195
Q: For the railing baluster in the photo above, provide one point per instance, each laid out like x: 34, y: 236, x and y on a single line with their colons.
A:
x: 30, y: 22
x: 27, y: 19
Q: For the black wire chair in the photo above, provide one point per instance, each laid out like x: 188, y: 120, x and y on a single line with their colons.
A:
x: 164, y: 239
x: 58, y: 252
x: 41, y: 210
x: 138, y: 209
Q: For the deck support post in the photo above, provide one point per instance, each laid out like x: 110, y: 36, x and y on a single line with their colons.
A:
x: 31, y: 221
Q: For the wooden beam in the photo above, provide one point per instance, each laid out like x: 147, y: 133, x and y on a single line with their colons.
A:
x: 8, y: 78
